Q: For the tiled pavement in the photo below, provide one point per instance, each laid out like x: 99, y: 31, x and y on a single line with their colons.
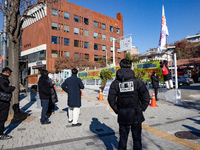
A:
x: 99, y: 130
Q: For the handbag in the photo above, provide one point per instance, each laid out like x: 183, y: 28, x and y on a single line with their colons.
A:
x: 5, y: 96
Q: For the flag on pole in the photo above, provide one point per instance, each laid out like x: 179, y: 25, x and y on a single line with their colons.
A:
x: 164, y: 32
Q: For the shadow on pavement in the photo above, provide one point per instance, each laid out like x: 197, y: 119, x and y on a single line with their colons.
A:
x: 105, y: 133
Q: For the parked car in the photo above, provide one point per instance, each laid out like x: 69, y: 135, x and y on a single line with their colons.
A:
x: 191, y: 81
x: 181, y: 81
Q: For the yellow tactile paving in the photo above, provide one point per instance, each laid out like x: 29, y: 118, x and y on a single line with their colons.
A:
x: 159, y: 133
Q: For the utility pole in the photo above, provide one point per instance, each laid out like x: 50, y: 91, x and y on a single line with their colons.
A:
x: 4, y: 42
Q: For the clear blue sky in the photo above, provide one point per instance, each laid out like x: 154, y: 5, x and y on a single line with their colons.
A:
x: 142, y: 18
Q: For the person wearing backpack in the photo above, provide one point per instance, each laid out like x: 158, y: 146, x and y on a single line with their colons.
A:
x: 128, y: 97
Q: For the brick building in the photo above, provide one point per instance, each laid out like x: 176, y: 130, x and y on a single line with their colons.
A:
x: 66, y: 29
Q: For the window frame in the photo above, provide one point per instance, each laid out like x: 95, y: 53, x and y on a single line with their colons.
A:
x: 75, y: 19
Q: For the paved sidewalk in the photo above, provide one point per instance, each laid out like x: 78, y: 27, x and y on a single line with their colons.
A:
x: 99, y: 130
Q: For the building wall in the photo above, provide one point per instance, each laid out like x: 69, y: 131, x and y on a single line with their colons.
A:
x: 41, y: 32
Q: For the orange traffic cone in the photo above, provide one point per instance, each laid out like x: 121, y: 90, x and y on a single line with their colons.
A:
x: 55, y: 87
x: 81, y: 93
x: 61, y: 87
x: 153, y: 101
x: 100, y: 95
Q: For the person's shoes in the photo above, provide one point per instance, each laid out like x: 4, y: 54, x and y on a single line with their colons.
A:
x: 5, y: 137
x: 70, y: 121
x: 75, y: 125
x: 46, y: 122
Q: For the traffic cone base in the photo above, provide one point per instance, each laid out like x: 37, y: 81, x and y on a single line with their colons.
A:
x: 100, y: 95
x: 153, y: 101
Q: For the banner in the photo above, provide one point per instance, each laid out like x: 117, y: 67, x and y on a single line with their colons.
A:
x: 107, y: 88
x: 164, y: 32
x: 149, y: 68
x: 113, y: 69
x: 0, y: 60
x: 94, y: 74
x: 126, y: 44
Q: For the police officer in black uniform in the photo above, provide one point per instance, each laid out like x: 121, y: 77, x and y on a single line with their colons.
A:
x: 128, y: 97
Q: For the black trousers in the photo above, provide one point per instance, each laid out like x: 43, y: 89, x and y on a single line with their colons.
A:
x: 4, y: 109
x: 156, y: 93
x: 136, y: 130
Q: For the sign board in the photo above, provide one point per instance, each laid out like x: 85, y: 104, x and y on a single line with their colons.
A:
x: 149, y: 68
x: 107, y: 88
x: 113, y: 69
x: 89, y: 74
x: 126, y: 44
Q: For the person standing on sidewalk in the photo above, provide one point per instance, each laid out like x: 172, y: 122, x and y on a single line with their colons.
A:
x: 45, y: 94
x: 73, y: 86
x: 155, y: 83
x: 5, y: 105
x: 128, y: 97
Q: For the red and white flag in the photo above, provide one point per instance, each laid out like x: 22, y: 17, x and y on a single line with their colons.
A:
x: 164, y: 32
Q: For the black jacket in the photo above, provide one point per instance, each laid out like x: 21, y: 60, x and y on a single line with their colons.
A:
x: 44, y: 87
x: 54, y: 97
x: 4, y: 84
x: 128, y: 97
x: 155, y: 81
x: 72, y: 86
x: 167, y: 76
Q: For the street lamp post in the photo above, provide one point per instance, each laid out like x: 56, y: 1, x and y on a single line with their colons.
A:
x: 114, y: 46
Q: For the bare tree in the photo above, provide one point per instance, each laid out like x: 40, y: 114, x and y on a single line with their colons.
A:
x: 16, y: 13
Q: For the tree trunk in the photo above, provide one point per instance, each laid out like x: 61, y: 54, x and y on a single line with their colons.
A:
x: 13, y: 63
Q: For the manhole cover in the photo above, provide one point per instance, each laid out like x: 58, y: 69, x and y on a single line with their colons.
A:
x: 187, y: 135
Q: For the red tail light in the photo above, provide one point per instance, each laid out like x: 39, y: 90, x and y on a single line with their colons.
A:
x: 186, y: 79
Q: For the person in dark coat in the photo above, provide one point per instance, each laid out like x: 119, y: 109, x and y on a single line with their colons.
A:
x: 128, y: 97
x: 155, y: 83
x: 53, y: 99
x: 167, y: 74
x: 73, y: 86
x: 5, y: 105
x: 45, y: 94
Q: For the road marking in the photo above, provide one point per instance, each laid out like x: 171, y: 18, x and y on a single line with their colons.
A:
x: 159, y: 133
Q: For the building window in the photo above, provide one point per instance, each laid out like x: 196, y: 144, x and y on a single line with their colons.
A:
x: 76, y: 43
x: 76, y: 55
x: 76, y: 30
x: 54, y: 12
x: 111, y: 49
x: 86, y: 21
x: 95, y: 46
x: 96, y: 57
x: 104, y: 47
x: 95, y: 24
x: 86, y: 33
x: 95, y: 35
x: 103, y: 26
x: 118, y: 30
x: 54, y: 54
x: 76, y: 18
x: 87, y: 56
x: 66, y: 41
x: 66, y: 15
x: 118, y: 50
x: 103, y: 37
x: 54, y: 25
x: 67, y: 54
x: 66, y: 28
x: 119, y: 59
x: 111, y: 28
x: 86, y: 45
x: 54, y: 39
x: 111, y: 38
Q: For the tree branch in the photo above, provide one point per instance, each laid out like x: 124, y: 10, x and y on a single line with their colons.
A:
x: 3, y: 11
